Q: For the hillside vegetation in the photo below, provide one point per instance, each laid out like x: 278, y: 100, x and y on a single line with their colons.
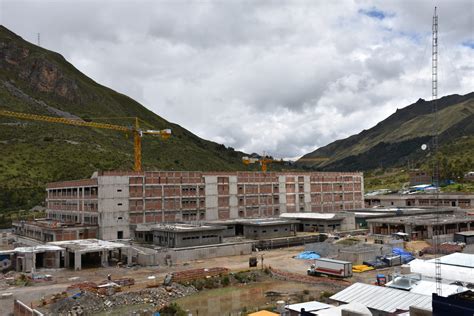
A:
x: 386, y: 150
x: 35, y: 80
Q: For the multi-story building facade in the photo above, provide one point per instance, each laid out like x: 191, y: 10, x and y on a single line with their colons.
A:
x: 118, y: 201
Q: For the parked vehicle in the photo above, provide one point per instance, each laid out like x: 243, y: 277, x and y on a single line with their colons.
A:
x: 331, y: 267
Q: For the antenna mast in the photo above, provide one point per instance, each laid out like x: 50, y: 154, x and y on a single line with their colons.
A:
x: 434, y: 102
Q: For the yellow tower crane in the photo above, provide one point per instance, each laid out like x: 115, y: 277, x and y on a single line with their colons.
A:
x: 264, y: 161
x: 135, y: 130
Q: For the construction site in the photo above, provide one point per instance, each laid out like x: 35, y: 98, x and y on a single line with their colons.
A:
x: 293, y: 242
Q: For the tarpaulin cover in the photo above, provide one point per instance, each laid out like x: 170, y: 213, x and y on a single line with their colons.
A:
x: 308, y: 255
x: 406, y: 256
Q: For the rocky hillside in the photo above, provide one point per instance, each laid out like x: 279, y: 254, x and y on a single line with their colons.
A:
x: 397, y: 139
x: 35, y: 80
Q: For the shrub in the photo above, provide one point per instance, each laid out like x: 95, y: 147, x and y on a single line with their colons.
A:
x: 225, y: 281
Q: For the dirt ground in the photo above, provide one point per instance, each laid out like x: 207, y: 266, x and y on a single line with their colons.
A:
x: 281, y: 259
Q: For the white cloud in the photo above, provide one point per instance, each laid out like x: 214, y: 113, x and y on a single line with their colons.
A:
x: 282, y: 77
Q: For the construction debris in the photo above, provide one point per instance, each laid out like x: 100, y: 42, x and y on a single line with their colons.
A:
x: 90, y: 301
x: 445, y: 248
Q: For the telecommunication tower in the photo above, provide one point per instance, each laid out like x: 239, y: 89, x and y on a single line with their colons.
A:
x: 434, y: 102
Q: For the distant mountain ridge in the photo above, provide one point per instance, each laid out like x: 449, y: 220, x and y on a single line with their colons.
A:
x: 36, y: 80
x: 398, y: 138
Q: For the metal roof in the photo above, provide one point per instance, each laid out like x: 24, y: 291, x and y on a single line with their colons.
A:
x: 354, y: 307
x: 467, y: 233
x: 382, y: 298
x: 309, y: 215
x: 458, y: 259
x: 308, y: 306
x: 448, y: 271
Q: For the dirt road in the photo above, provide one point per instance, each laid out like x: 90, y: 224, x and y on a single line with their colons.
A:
x: 281, y: 259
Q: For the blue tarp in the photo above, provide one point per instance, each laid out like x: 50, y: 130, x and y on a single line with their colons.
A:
x: 308, y: 255
x: 406, y: 256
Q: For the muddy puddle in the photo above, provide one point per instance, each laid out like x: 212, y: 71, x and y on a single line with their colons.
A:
x: 235, y: 299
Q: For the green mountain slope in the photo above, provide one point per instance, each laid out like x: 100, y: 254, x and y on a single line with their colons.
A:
x: 35, y: 80
x: 397, y: 139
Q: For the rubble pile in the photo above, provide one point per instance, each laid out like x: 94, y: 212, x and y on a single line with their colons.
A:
x: 444, y: 248
x: 90, y: 302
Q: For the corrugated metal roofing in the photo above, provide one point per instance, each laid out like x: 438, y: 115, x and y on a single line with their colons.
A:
x: 458, y: 259
x: 308, y: 306
x: 448, y: 272
x: 382, y: 298
x: 309, y: 215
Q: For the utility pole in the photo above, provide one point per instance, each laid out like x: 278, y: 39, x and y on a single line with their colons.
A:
x: 39, y: 39
x: 434, y: 102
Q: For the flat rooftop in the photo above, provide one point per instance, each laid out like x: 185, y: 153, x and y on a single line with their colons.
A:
x: 442, y: 195
x: 467, y: 233
x: 254, y: 221
x: 52, y: 224
x: 88, y: 245
x: 178, y: 227
x: 319, y: 216
x: 421, y: 220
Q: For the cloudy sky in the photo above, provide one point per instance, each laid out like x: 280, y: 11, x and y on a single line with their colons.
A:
x: 282, y: 77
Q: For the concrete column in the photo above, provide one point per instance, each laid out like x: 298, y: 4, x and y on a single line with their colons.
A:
x: 104, y: 258
x: 129, y: 256
x: 468, y: 225
x: 408, y: 229
x: 57, y: 259
x: 429, y: 228
x: 233, y: 199
x: 282, y: 193
x: 77, y: 261
x: 211, y: 197
x: 307, y: 193
x: 66, y: 259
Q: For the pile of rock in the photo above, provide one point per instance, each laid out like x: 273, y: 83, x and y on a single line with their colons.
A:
x: 90, y: 302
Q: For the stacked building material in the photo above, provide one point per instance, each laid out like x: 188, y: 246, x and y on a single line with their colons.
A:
x: 194, y: 274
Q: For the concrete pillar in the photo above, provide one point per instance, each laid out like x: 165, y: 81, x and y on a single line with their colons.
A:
x: 77, y: 261
x: 468, y: 225
x: 57, y: 259
x: 408, y: 229
x: 429, y: 228
x: 66, y: 259
x: 104, y: 258
x: 129, y: 256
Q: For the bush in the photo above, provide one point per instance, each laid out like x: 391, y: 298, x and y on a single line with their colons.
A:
x: 225, y: 281
x: 172, y: 310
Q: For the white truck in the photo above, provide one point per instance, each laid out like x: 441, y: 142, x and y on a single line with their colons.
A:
x: 331, y: 267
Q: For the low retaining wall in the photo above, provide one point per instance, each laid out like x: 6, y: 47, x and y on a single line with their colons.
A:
x: 287, y: 241
x: 213, y: 251
x: 180, y: 255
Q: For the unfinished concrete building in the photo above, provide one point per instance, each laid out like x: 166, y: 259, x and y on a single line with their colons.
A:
x: 47, y: 230
x: 423, y: 226
x: 322, y: 222
x: 461, y: 200
x: 116, y: 202
x: 186, y: 235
